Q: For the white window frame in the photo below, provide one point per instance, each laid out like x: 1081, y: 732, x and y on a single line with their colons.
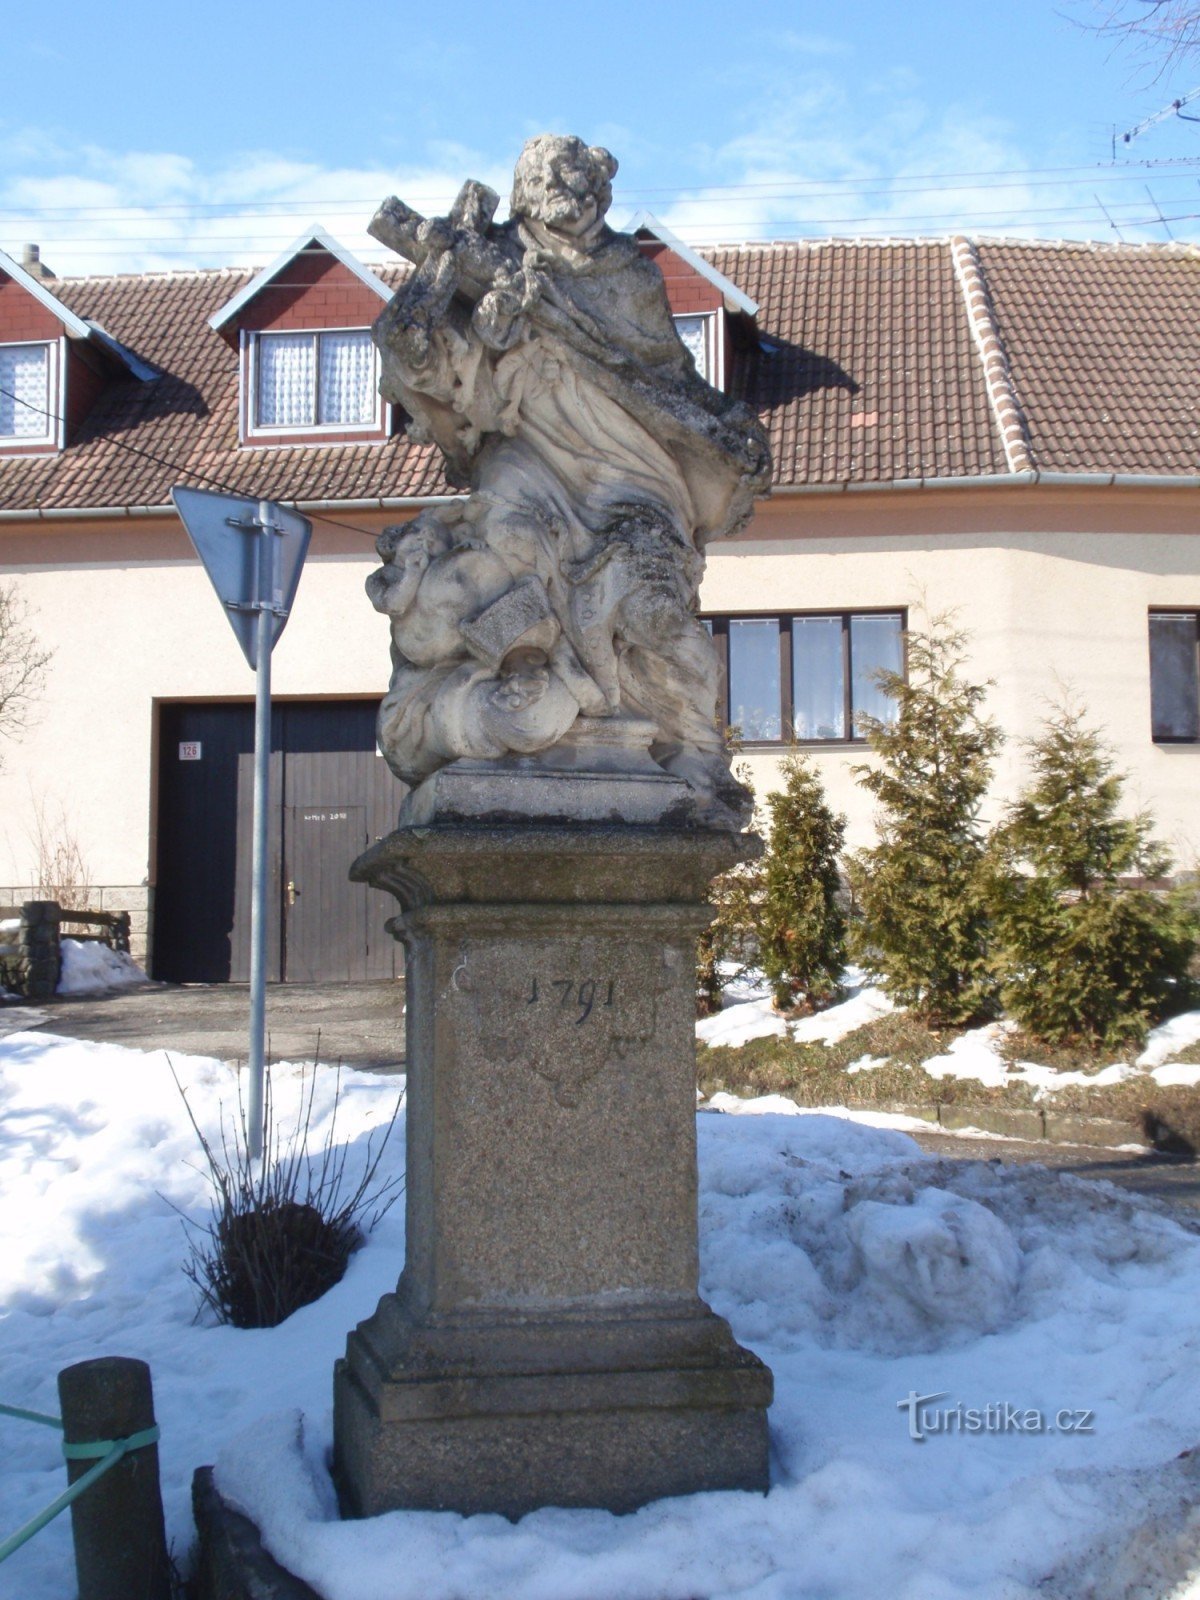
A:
x: 53, y: 425
x: 252, y: 429
x: 714, y: 342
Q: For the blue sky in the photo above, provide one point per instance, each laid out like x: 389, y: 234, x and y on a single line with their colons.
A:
x: 152, y: 136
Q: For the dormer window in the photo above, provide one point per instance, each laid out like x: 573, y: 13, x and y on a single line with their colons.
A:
x: 314, y: 380
x: 26, y: 376
x: 699, y: 335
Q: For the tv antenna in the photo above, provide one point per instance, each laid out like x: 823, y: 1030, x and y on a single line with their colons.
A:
x: 1175, y: 109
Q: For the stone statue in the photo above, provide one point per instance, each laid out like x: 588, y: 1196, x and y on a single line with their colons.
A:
x: 547, y: 1343
x: 546, y: 622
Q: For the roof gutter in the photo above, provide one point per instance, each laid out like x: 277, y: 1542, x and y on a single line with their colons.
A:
x: 993, y: 480
x: 1002, y: 480
x: 114, y: 513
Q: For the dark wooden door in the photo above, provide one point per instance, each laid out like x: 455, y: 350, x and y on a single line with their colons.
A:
x: 331, y: 795
x: 201, y: 752
x: 324, y: 914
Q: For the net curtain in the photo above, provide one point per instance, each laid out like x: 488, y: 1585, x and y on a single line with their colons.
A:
x: 307, y: 379
x: 24, y: 391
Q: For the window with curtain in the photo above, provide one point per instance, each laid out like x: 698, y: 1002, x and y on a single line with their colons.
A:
x: 753, y: 677
x: 1175, y: 676
x: 807, y: 677
x: 694, y: 331
x: 315, y: 380
x: 25, y: 392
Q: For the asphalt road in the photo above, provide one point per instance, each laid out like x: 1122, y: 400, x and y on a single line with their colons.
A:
x: 358, y: 1024
x: 1173, y: 1179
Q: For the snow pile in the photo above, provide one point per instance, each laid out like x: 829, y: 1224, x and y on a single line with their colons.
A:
x: 95, y: 1151
x: 862, y: 1271
x: 89, y: 967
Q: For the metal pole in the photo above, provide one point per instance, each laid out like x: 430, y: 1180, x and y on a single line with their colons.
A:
x: 262, y: 760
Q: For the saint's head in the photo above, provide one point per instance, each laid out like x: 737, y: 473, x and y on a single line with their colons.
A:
x: 563, y: 184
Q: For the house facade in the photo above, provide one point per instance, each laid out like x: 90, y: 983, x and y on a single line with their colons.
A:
x: 1008, y: 431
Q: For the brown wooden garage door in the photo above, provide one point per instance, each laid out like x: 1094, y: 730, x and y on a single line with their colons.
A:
x: 331, y: 795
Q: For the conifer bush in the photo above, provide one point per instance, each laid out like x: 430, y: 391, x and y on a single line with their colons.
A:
x: 1083, y: 955
x: 923, y: 926
x: 801, y: 923
x: 728, y: 947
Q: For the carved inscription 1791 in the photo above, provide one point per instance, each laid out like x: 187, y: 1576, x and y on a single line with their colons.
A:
x: 564, y: 1013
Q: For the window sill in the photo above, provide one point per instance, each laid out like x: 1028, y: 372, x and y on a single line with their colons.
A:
x: 307, y: 440
x: 782, y: 746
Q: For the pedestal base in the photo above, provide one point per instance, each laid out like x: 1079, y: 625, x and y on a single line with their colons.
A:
x: 600, y: 772
x: 547, y: 1345
x: 509, y: 1417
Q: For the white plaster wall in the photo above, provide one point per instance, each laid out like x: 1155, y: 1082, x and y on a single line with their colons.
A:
x: 131, y: 618
x: 125, y: 634
x: 1046, y: 613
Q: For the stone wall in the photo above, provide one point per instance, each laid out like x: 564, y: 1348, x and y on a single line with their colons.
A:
x: 136, y: 899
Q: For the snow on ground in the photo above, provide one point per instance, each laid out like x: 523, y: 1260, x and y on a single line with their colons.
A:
x: 862, y: 1271
x: 748, y: 1014
x: 89, y: 967
x: 1170, y: 1039
x: 780, y: 1106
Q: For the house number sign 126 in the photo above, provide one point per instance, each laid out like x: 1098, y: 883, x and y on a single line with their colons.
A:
x: 190, y: 750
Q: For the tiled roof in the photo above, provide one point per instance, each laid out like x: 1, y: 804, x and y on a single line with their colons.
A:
x: 188, y: 419
x: 873, y: 361
x: 1103, y: 345
x: 869, y: 371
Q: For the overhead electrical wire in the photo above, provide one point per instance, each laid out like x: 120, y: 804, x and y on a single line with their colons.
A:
x: 100, y: 230
x: 1008, y: 177
x: 182, y: 245
x: 192, y: 472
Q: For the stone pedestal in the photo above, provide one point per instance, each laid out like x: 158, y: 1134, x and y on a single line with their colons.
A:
x: 546, y: 1344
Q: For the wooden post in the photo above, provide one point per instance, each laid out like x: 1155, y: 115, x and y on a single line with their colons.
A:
x: 117, y: 1523
x: 41, y: 950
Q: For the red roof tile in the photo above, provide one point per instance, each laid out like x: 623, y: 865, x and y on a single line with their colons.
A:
x: 862, y: 364
x: 1103, y: 344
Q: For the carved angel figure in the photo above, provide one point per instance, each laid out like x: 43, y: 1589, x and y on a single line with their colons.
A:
x: 540, y: 355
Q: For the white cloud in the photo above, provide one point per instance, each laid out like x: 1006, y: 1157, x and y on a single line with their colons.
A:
x: 811, y: 155
x: 102, y: 211
x: 802, y: 151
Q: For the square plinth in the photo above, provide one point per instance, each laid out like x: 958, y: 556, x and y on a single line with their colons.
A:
x: 507, y: 1417
x: 547, y: 1345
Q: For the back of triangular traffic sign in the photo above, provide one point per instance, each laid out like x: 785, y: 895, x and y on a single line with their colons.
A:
x: 220, y: 527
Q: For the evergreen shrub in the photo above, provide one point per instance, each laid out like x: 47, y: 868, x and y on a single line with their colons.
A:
x: 801, y: 921
x: 1085, y: 949
x: 923, y: 921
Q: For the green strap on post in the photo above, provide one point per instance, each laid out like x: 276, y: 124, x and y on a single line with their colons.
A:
x: 31, y: 1416
x: 105, y: 1452
x: 102, y: 1447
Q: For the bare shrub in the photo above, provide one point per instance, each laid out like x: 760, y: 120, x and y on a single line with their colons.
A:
x: 61, y: 871
x: 22, y: 664
x: 282, y: 1230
